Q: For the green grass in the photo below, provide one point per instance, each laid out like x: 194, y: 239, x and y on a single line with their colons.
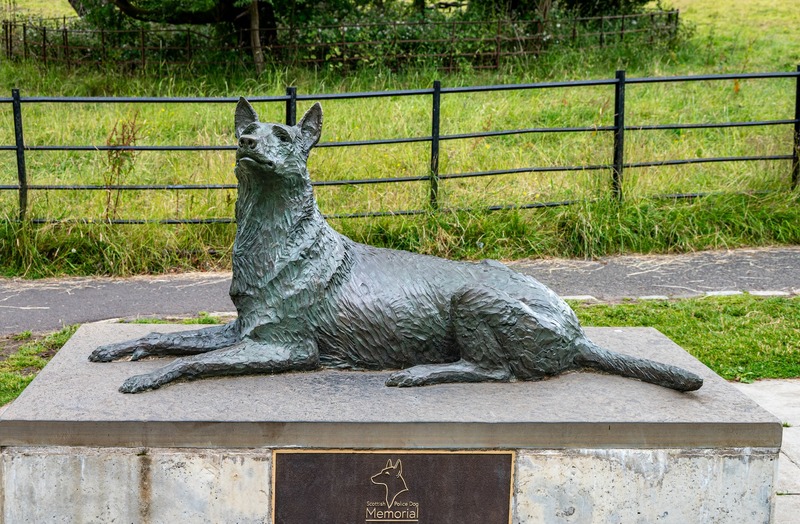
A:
x: 741, y: 338
x: 21, y: 363
x: 201, y: 318
x: 584, y: 230
x: 747, y: 34
x: 37, y: 9
x: 592, y: 229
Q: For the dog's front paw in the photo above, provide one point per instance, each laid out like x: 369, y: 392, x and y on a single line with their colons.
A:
x: 139, y: 383
x: 402, y: 379
x: 111, y: 352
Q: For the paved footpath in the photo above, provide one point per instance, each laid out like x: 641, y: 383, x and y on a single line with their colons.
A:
x: 782, y: 399
x: 46, y: 305
x: 49, y: 304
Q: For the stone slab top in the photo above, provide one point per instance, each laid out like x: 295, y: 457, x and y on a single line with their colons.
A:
x: 74, y: 402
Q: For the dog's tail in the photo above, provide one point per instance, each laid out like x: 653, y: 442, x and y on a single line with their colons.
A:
x: 594, y: 356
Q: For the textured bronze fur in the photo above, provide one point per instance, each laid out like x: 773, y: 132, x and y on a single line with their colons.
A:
x: 307, y: 297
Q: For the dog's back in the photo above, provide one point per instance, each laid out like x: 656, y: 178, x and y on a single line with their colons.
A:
x: 393, y: 309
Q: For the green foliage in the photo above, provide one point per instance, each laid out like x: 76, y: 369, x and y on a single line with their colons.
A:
x: 741, y: 338
x: 25, y: 335
x: 604, y: 7
x: 539, y: 8
x: 337, y: 34
x: 203, y: 318
x: 103, y: 14
x: 121, y: 162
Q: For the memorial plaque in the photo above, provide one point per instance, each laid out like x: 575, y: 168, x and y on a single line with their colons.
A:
x: 368, y: 487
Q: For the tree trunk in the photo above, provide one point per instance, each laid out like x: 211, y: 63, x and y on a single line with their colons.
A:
x: 255, y: 38
x: 419, y: 5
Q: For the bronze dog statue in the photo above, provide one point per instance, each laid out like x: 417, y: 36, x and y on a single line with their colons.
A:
x: 307, y: 297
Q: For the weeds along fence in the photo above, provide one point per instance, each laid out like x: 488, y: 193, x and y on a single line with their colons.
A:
x: 615, y: 170
x: 451, y: 44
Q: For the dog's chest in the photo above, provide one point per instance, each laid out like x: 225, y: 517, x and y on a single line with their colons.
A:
x: 277, y: 282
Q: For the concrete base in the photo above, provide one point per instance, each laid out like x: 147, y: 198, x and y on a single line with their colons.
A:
x: 76, y: 484
x: 590, y: 447
x: 645, y: 486
x: 144, y: 485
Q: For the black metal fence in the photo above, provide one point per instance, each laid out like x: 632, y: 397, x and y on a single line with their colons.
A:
x: 450, y: 44
x: 616, y: 169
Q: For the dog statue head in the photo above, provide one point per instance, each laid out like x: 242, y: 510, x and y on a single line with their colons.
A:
x: 274, y: 153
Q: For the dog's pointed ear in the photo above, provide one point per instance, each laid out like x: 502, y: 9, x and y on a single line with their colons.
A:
x: 311, y: 127
x: 389, y: 464
x: 399, y: 467
x: 245, y: 115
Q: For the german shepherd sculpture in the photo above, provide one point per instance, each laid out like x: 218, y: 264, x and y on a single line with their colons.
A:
x: 307, y: 297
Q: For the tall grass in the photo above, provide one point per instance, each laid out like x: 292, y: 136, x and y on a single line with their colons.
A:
x: 594, y: 228
x: 590, y: 229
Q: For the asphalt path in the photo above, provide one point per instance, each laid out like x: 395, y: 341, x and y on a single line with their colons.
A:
x: 48, y: 304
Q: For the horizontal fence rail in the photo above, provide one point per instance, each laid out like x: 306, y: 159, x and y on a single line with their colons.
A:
x: 451, y: 43
x: 616, y: 167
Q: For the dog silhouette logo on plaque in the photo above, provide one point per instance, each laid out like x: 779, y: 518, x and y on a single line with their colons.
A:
x: 391, y: 478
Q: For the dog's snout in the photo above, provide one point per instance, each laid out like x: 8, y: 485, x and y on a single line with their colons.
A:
x: 247, y: 141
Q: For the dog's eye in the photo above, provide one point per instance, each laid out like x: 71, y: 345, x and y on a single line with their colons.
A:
x: 282, y: 135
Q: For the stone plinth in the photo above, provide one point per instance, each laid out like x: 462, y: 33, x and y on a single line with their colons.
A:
x: 588, y: 447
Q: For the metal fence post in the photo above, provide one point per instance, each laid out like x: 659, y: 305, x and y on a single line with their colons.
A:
x: 142, y: 48
x: 796, y: 152
x: 7, y: 38
x: 291, y: 106
x: 673, y: 29
x: 497, y: 46
x: 602, y: 31
x: 103, y: 57
x: 20, y: 142
x: 619, y: 135
x: 65, y: 36
x: 437, y: 87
